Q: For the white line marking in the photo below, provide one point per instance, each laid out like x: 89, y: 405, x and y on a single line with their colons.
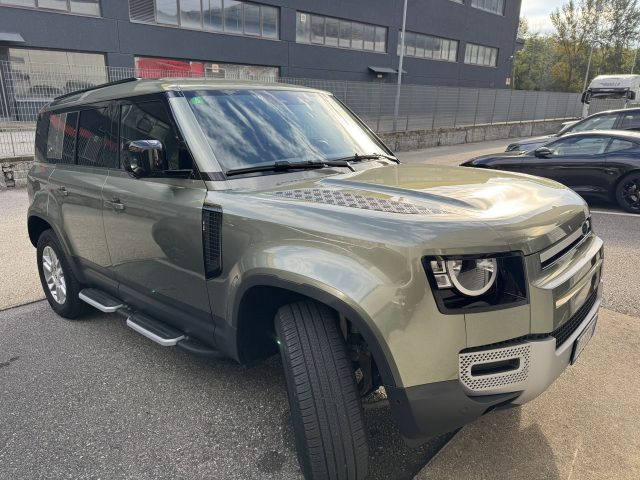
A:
x: 620, y: 214
x: 575, y: 456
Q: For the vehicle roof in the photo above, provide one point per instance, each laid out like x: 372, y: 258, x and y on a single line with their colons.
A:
x: 623, y: 134
x: 135, y: 86
x: 615, y: 110
x: 623, y: 80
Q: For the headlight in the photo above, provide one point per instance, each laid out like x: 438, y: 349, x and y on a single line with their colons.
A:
x: 473, y: 277
x: 477, y: 282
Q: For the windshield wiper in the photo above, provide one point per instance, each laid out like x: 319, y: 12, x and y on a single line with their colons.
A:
x: 281, y: 166
x: 360, y: 157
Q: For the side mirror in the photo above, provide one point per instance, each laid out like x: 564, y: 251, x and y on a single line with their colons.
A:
x: 586, y: 97
x: 631, y: 95
x: 543, y: 152
x: 144, y: 157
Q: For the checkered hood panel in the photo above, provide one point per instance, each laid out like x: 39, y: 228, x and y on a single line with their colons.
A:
x: 347, y: 199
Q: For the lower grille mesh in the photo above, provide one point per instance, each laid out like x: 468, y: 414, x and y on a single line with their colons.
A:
x: 513, y: 378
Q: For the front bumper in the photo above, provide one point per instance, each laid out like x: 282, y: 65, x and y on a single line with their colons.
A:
x: 425, y: 411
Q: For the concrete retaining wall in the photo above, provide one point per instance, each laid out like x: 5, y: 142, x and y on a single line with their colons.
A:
x: 419, y: 139
x: 13, y: 172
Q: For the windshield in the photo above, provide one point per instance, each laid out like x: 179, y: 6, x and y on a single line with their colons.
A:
x: 246, y: 128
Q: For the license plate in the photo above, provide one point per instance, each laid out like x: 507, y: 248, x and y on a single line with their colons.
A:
x: 583, y: 339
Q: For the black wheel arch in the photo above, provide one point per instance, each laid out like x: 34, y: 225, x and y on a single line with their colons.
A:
x: 259, y: 298
x: 36, y: 224
x: 634, y: 170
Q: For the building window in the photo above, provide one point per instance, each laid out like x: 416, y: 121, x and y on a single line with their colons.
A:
x: 165, y: 67
x: 430, y: 47
x: 493, y: 6
x: 48, y: 73
x: 224, y: 16
x: 334, y: 32
x: 480, y: 55
x: 83, y: 7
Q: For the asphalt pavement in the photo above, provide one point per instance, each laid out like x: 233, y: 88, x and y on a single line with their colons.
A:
x: 92, y: 399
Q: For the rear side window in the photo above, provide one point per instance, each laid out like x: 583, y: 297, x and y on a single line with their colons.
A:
x: 42, y: 128
x: 96, y: 147
x: 618, y: 145
x: 61, y: 137
x: 630, y: 121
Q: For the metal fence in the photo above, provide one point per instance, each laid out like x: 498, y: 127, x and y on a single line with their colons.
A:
x: 26, y: 87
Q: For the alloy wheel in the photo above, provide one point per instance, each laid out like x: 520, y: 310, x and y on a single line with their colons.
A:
x: 54, y: 275
x: 631, y: 193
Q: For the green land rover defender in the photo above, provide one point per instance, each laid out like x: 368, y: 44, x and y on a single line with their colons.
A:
x: 242, y: 220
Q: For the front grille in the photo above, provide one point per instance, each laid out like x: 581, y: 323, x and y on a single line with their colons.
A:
x: 212, y: 241
x: 561, y: 334
x: 566, y: 245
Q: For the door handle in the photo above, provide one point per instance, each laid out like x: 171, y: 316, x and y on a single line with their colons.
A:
x: 63, y: 191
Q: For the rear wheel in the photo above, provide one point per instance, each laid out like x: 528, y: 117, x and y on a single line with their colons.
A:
x: 59, y: 283
x: 628, y: 192
x: 326, y: 409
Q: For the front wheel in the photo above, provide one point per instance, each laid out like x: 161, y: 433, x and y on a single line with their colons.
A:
x: 326, y: 410
x: 628, y: 192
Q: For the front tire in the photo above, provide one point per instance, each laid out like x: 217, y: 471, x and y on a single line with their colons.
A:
x: 326, y: 409
x: 628, y: 192
x: 59, y: 283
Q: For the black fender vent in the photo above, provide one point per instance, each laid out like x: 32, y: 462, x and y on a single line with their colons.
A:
x: 212, y: 241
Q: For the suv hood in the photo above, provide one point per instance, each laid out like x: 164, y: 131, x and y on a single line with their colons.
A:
x: 447, y: 208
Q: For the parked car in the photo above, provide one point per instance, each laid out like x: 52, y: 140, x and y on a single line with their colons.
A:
x: 246, y: 220
x: 625, y: 119
x: 603, y: 164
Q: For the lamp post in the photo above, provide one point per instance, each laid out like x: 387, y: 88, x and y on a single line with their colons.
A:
x: 402, y: 36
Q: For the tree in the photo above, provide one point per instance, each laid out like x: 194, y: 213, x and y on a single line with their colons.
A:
x: 575, y: 23
x: 558, y: 61
x: 532, y: 64
x: 618, y: 29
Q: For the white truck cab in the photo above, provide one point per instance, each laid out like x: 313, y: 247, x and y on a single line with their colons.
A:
x: 625, y: 89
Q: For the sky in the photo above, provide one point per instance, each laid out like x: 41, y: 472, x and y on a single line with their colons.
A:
x: 537, y: 12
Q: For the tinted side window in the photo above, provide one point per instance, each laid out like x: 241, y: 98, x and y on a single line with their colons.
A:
x: 631, y: 121
x: 42, y: 128
x: 600, y: 122
x: 95, y: 144
x: 618, y: 145
x: 151, y: 121
x: 579, y: 146
x: 61, y: 137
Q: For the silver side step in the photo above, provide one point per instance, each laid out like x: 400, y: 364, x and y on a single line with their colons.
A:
x: 159, y: 332
x: 100, y: 300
